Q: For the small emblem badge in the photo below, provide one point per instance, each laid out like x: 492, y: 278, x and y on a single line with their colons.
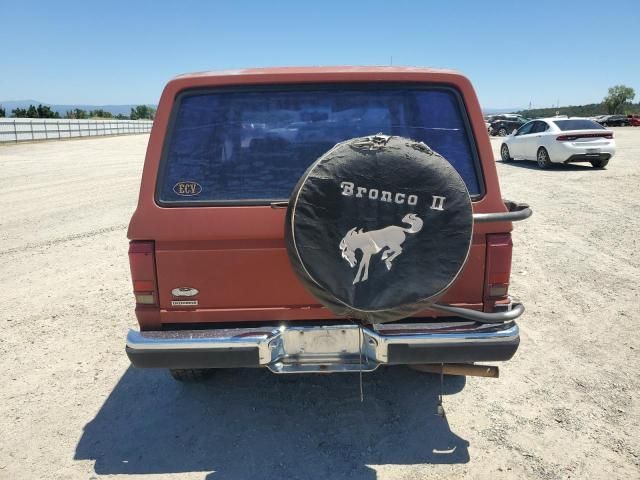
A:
x: 187, y: 189
x: 386, y: 240
x: 184, y: 303
x: 184, y: 292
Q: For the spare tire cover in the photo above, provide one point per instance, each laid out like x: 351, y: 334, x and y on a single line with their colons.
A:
x: 379, y: 227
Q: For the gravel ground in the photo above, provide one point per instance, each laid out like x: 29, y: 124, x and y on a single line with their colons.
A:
x: 71, y: 407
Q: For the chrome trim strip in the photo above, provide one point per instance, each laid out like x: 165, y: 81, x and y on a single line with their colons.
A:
x: 213, y: 338
x: 448, y: 338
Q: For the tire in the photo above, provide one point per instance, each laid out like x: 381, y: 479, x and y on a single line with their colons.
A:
x: 502, y: 132
x: 599, y: 163
x: 191, y: 375
x: 354, y: 228
x: 504, y: 153
x: 542, y: 158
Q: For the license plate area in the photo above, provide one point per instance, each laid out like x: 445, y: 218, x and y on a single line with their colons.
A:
x: 326, y: 349
x: 593, y: 151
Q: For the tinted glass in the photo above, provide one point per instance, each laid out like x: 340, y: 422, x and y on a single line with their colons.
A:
x: 255, y: 145
x: 525, y: 129
x: 539, y: 127
x: 577, y: 124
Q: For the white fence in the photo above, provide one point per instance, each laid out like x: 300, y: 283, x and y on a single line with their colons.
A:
x: 30, y: 129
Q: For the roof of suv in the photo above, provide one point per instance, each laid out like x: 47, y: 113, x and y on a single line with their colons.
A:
x: 315, y: 70
x: 300, y: 75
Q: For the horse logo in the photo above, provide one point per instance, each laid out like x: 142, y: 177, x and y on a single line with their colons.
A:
x: 387, y: 240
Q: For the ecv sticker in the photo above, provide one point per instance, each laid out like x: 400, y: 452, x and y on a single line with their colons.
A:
x: 187, y: 189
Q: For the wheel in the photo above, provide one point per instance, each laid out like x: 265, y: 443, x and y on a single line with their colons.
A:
x: 599, y: 163
x: 543, y: 158
x: 502, y: 132
x: 504, y: 153
x: 379, y: 227
x: 191, y: 374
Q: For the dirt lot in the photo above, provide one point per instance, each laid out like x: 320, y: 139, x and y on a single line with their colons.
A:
x: 71, y: 407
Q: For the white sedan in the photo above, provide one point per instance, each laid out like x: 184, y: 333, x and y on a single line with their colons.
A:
x: 560, y: 140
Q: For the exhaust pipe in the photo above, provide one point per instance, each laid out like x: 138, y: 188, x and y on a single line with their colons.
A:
x: 463, y: 369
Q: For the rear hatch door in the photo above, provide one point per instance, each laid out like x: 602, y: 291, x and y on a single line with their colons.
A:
x: 232, y: 156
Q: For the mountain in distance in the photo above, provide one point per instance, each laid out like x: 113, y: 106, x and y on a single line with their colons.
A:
x: 9, y: 105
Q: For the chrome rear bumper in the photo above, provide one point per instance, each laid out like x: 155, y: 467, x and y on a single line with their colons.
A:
x: 324, y: 348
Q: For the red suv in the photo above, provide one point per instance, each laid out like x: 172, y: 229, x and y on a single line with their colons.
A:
x: 320, y: 220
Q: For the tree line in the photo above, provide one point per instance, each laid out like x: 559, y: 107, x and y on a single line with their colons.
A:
x: 140, y: 112
x: 617, y: 101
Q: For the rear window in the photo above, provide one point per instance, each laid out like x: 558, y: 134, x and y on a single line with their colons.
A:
x: 251, y: 147
x: 577, y: 124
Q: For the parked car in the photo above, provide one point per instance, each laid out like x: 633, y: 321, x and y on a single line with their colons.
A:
x: 552, y: 140
x: 502, y: 116
x: 302, y: 249
x: 634, y: 120
x: 504, y: 126
x: 613, y: 121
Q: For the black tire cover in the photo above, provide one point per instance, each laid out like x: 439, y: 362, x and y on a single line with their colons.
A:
x: 390, y: 200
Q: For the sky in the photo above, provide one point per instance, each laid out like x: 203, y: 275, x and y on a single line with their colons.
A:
x: 123, y: 52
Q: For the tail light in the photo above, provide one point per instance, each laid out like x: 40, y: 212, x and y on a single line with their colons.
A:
x: 498, y: 268
x: 143, y: 272
x: 570, y: 138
